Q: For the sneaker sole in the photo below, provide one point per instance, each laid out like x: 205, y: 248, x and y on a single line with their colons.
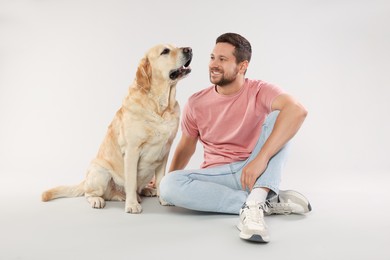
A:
x: 253, y: 238
x: 298, y: 196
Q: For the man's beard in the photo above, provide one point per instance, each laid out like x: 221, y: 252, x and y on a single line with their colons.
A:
x: 226, y: 79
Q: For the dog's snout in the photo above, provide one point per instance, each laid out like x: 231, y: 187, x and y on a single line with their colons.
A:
x: 187, y: 50
x: 187, y: 54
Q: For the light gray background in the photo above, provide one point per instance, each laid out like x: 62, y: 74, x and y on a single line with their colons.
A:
x: 65, y: 67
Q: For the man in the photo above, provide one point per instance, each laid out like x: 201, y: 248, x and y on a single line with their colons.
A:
x: 245, y: 126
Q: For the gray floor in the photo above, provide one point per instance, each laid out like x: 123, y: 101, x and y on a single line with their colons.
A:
x: 344, y: 224
x: 66, y: 65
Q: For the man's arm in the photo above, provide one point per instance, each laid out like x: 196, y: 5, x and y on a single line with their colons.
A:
x: 291, y: 116
x: 183, y: 153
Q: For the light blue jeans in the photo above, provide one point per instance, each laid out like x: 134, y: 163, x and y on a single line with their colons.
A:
x: 218, y: 189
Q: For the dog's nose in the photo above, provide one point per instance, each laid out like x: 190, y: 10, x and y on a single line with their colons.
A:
x: 187, y: 50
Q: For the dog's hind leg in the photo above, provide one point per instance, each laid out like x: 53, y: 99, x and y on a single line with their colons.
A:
x: 114, y: 192
x: 96, y: 184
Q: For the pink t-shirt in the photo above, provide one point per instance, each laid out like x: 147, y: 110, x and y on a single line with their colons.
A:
x: 228, y: 126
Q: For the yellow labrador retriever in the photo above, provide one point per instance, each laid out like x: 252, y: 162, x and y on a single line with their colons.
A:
x: 138, y: 140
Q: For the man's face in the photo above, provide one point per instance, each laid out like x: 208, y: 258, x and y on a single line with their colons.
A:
x: 223, y: 68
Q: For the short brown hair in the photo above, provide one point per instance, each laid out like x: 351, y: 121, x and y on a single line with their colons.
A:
x: 243, y: 49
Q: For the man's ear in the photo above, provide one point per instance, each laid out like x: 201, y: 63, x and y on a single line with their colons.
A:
x: 243, y: 66
x: 144, y: 75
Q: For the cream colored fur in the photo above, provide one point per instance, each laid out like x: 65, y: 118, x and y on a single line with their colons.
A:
x: 138, y: 140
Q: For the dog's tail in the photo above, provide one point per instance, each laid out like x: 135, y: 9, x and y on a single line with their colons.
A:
x: 64, y: 192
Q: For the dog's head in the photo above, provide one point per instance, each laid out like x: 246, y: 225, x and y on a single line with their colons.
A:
x: 165, y: 63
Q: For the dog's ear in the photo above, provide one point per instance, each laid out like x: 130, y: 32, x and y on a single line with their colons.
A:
x: 144, y: 75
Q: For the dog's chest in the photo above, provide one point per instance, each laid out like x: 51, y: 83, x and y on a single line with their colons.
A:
x: 158, y: 136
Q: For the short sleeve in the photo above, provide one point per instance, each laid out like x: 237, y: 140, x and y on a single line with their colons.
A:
x: 188, y: 123
x: 267, y: 94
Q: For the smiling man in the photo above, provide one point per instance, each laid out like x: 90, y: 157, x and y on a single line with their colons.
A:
x: 245, y: 127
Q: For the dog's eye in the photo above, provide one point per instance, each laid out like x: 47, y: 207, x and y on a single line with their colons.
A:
x: 165, y: 51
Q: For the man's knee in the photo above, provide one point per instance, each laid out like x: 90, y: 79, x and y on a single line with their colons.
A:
x: 271, y: 118
x: 168, y: 187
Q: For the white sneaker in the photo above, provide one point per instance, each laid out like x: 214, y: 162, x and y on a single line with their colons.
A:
x: 288, y: 202
x: 251, y: 224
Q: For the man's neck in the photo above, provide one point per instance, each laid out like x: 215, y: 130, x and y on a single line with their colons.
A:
x: 232, y: 88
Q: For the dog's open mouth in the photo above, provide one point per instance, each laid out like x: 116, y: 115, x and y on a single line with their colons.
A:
x: 182, y: 71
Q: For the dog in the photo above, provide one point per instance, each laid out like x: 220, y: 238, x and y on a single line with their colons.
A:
x: 137, y: 143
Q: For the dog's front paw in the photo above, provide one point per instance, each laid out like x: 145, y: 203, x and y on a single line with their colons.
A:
x: 133, y: 208
x: 164, y: 203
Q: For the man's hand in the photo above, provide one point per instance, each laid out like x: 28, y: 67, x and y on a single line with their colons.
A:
x: 290, y: 118
x: 252, y: 172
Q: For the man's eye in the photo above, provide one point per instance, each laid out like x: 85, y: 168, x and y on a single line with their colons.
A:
x: 165, y: 51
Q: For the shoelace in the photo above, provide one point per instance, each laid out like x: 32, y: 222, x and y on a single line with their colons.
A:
x: 253, y: 214
x: 278, y: 208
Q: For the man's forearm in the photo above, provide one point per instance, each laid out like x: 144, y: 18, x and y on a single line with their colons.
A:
x: 183, y: 153
x: 179, y: 161
x: 286, y: 126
